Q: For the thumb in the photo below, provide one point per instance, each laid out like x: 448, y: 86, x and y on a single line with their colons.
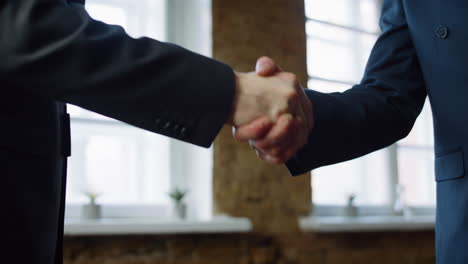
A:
x: 266, y: 67
x: 254, y: 130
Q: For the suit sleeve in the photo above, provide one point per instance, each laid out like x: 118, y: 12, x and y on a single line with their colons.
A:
x: 376, y: 113
x: 53, y: 49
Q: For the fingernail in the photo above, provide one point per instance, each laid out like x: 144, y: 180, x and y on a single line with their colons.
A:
x: 259, y: 66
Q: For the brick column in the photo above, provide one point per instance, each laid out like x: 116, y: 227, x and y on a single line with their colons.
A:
x: 244, y: 30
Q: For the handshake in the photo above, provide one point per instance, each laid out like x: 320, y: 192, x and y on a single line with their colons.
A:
x: 271, y: 111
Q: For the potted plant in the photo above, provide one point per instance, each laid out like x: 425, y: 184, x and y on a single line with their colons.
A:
x: 91, y: 210
x: 351, y: 209
x: 180, y: 208
x: 400, y: 207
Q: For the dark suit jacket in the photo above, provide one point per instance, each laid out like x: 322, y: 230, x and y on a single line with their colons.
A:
x: 51, y: 53
x: 423, y: 50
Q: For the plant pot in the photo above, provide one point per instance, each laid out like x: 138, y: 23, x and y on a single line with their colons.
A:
x: 180, y: 210
x: 91, y: 211
x: 351, y: 211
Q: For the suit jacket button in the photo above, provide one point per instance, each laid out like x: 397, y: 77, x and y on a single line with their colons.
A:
x: 167, y: 125
x: 183, y: 131
x: 442, y: 32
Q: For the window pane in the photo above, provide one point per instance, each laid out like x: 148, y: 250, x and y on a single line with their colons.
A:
x: 362, y: 14
x: 338, y: 54
x: 108, y: 167
x: 103, y: 164
x: 336, y: 11
x: 331, y: 61
x: 416, y: 161
x: 369, y: 15
x: 327, y: 87
x: 326, y: 32
x: 123, y: 164
x: 416, y: 172
x: 366, y: 177
x: 422, y: 133
x: 108, y: 14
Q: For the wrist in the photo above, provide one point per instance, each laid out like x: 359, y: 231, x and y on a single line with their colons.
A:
x: 237, y: 79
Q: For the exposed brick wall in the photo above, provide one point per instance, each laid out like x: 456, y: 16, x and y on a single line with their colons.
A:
x: 381, y: 248
x: 244, y: 30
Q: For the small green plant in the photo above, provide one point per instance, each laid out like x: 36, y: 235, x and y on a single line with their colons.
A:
x: 351, y: 198
x: 177, y: 195
x: 92, y: 196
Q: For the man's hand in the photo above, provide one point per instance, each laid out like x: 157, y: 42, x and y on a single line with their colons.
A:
x: 263, y: 99
x: 268, y: 96
x: 277, y: 144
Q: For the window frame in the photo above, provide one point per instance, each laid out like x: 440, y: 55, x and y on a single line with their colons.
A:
x: 200, y: 202
x: 391, y: 152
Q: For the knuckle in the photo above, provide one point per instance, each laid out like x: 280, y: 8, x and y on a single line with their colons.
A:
x: 275, y: 152
x: 290, y: 76
x: 292, y: 95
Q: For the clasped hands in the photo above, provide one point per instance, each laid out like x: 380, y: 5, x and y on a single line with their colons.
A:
x: 271, y: 112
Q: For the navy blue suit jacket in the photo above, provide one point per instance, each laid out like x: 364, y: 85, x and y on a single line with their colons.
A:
x: 51, y: 53
x: 423, y: 50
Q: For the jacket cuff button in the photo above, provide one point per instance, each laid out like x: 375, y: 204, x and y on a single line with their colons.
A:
x: 157, y: 121
x: 183, y: 131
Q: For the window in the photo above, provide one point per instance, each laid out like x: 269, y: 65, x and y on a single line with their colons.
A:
x: 132, y: 169
x: 341, y: 34
x: 416, y: 162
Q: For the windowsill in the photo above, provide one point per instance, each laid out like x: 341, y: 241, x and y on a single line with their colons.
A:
x: 80, y: 227
x: 333, y: 224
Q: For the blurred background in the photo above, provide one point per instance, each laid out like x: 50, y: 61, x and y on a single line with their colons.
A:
x: 137, y: 197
